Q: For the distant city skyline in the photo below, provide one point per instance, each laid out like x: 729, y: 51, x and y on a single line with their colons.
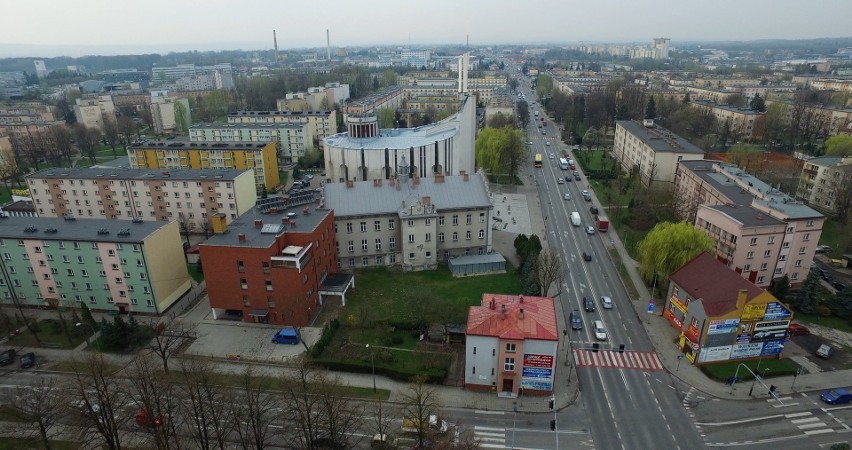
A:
x: 106, y: 27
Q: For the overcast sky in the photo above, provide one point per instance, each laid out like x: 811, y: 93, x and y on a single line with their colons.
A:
x: 76, y: 27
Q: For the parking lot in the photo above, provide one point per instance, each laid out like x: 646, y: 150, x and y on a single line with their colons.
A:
x: 246, y: 341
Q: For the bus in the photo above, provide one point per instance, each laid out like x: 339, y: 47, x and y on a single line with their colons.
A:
x: 538, y: 160
x: 563, y: 163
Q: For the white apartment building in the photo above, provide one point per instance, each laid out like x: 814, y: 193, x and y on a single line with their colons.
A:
x: 652, y: 151
x: 321, y: 123
x: 413, y: 223
x: 744, y: 123
x: 824, y: 180
x: 165, y: 112
x: 90, y: 111
x: 292, y: 140
x: 124, y: 194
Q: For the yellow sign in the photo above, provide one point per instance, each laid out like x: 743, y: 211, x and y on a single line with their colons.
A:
x: 754, y: 312
x: 679, y: 305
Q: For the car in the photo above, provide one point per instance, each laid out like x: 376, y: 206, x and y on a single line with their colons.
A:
x: 824, y: 351
x: 606, y: 302
x: 560, y: 181
x: 572, y: 166
x: 587, y: 256
x: 7, y: 357
x: 577, y: 177
x: 576, y: 320
x: 796, y: 329
x: 593, y: 209
x: 588, y: 304
x: 590, y: 230
x: 545, y: 133
x: 587, y: 195
x: 600, y: 331
x: 143, y: 418
x: 84, y: 408
x: 823, y: 249
x: 826, y: 275
x: 547, y: 143
x: 27, y: 360
x: 836, y: 396
x: 568, y: 179
x: 838, y: 285
x: 567, y: 156
x: 551, y: 156
x: 567, y: 196
x: 529, y: 143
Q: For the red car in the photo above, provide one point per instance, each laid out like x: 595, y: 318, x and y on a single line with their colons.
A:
x: 798, y: 330
x: 144, y: 418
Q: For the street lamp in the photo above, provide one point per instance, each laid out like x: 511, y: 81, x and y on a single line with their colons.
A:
x: 373, y: 365
x: 757, y: 369
x: 79, y: 324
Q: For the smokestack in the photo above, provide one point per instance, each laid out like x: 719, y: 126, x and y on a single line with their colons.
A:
x: 275, y: 41
x: 328, y: 44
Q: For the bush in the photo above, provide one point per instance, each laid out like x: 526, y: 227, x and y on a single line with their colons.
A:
x: 435, y: 376
x: 325, y: 339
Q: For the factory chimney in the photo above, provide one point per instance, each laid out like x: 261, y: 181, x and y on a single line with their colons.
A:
x: 328, y: 45
x: 275, y: 41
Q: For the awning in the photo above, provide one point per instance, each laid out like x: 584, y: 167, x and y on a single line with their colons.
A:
x: 258, y: 312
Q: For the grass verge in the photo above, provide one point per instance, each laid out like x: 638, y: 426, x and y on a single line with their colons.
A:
x: 12, y: 443
x: 777, y: 368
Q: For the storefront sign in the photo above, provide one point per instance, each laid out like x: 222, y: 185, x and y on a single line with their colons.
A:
x: 775, y: 310
x: 745, y: 337
x: 674, y: 320
x: 537, y: 385
x: 751, y: 350
x: 678, y: 304
x: 767, y: 331
x: 754, y: 312
x: 710, y: 354
x: 723, y: 326
x: 772, y: 348
x: 693, y: 332
x: 531, y: 360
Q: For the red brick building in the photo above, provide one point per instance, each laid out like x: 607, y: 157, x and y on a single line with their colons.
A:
x: 274, y: 267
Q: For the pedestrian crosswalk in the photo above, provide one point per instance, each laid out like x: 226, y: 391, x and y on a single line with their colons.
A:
x: 808, y: 423
x: 616, y: 360
x: 490, y: 437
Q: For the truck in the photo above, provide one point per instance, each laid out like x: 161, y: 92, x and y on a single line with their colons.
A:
x: 575, y: 219
x: 602, y: 222
x: 409, y: 424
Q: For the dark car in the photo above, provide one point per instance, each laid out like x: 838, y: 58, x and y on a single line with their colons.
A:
x: 796, y: 329
x: 593, y: 209
x: 838, y: 285
x: 588, y: 304
x: 27, y: 360
x: 7, y: 357
x: 577, y: 175
x: 587, y: 256
x: 576, y: 320
x: 568, y: 179
x: 826, y: 275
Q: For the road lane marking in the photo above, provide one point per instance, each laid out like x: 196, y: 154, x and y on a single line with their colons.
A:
x: 812, y: 432
x: 493, y: 413
x: 812, y: 425
x: 809, y: 419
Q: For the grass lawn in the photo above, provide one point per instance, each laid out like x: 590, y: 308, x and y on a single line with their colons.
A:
x: 73, y: 366
x: 595, y: 160
x: 777, y: 368
x: 5, y: 196
x: 194, y: 273
x: 51, y: 334
x: 835, y: 236
x: 11, y: 443
x: 832, y: 322
x: 506, y: 179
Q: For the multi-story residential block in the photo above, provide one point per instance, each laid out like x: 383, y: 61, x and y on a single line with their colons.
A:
x: 186, y: 154
x: 91, y: 111
x: 24, y: 112
x: 320, y: 98
x: 169, y: 114
x: 192, y: 196
x: 831, y: 84
x: 293, y: 140
x: 744, y: 123
x: 275, y: 265
x: 760, y: 232
x: 321, y: 123
x: 511, y: 344
x: 651, y: 151
x: 134, y: 101
x: 825, y: 181
x: 410, y: 223
x: 388, y: 98
x: 127, y: 267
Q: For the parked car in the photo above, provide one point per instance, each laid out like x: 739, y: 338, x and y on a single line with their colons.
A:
x: 587, y: 256
x: 143, y: 418
x: 796, y: 329
x: 27, y: 360
x: 824, y: 351
x: 838, y: 285
x: 84, y: 408
x: 593, y: 209
x: 7, y: 357
x: 588, y: 304
x: 606, y: 302
x: 825, y: 275
x: 576, y: 320
x: 590, y: 230
x: 836, y: 396
x: 823, y: 249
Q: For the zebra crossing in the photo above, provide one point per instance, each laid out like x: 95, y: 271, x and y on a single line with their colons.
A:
x: 613, y: 359
x: 490, y: 437
x: 808, y: 423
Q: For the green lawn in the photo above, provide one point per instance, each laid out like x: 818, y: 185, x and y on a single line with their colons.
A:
x: 195, y: 273
x: 777, y: 368
x: 595, y: 160
x: 10, y: 443
x: 5, y: 196
x: 835, y: 235
x: 51, y: 334
x: 832, y: 322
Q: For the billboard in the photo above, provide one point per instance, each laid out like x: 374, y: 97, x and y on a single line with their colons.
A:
x: 710, y: 354
x: 768, y: 331
x: 754, y: 312
x: 772, y: 348
x: 537, y: 372
x: 723, y: 326
x: 775, y: 310
x: 751, y: 350
x: 531, y: 360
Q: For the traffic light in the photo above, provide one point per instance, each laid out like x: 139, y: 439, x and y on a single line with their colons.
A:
x: 595, y: 347
x: 552, y: 424
x: 621, y: 348
x: 771, y: 389
x: 550, y: 404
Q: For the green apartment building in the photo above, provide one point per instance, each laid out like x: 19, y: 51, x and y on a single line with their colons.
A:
x: 123, y: 266
x: 292, y: 139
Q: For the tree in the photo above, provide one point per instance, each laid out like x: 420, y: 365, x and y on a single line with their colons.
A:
x: 842, y: 186
x: 127, y: 128
x: 206, y: 411
x: 253, y: 410
x: 86, y: 317
x: 386, y: 118
x: 102, y: 401
x: 155, y: 397
x: 776, y: 122
x: 840, y: 304
x: 305, y: 406
x: 592, y: 138
x: 500, y: 120
x: 548, y: 271
x: 88, y: 140
x: 168, y: 339
x: 60, y: 138
x: 745, y: 156
x: 30, y: 146
x: 781, y: 288
x: 839, y: 145
x: 669, y: 246
x: 808, y: 298
x: 10, y: 171
x: 382, y: 417
x: 37, y: 410
x: 186, y: 226
x: 181, y: 118
x: 418, y: 403
x: 737, y: 99
x: 651, y: 108
x: 500, y: 150
x: 523, y: 111
x: 513, y: 84
x: 757, y: 104
x: 110, y: 132
x: 339, y: 415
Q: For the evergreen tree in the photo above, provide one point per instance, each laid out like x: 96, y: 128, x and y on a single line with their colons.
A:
x: 781, y: 289
x: 757, y: 104
x: 840, y: 304
x: 650, y: 108
x: 686, y: 98
x: 807, y: 300
x: 87, y: 318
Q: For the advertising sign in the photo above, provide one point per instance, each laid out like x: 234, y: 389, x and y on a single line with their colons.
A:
x: 775, y: 310
x: 678, y: 304
x: 531, y: 360
x: 533, y: 372
x: 674, y: 320
x: 723, y: 326
x: 751, y: 350
x: 754, y: 312
x: 745, y: 337
x: 710, y: 354
x: 772, y: 348
x: 537, y: 384
x: 767, y: 331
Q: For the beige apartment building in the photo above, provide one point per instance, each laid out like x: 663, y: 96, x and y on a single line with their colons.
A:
x: 823, y: 180
x: 745, y: 123
x: 166, y: 113
x: 650, y: 150
x: 91, y: 111
x: 193, y: 195
x: 760, y: 232
x: 292, y: 140
x: 831, y: 84
x: 413, y: 223
x: 321, y: 123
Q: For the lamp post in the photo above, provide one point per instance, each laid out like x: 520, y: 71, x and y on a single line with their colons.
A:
x: 80, y: 324
x: 757, y: 369
x: 373, y: 365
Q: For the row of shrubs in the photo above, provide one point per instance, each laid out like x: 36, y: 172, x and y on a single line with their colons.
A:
x: 326, y: 337
x: 436, y: 375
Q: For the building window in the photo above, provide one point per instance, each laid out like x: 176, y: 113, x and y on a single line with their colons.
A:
x: 763, y: 267
x: 377, y: 225
x: 798, y: 263
x: 481, y: 234
x: 771, y: 240
x: 268, y: 285
x: 365, y: 261
x: 782, y: 257
x: 241, y: 268
x: 379, y: 261
x: 410, y: 238
x: 767, y: 253
x: 265, y: 267
x: 747, y: 267
x: 469, y: 219
x: 363, y: 245
x: 392, y: 259
x: 809, y: 223
x: 806, y: 237
x: 455, y: 220
x: 467, y: 235
x: 509, y: 365
x: 410, y: 223
x: 392, y: 242
x: 440, y: 220
x: 441, y: 237
x: 753, y: 242
x: 391, y: 225
x: 428, y: 237
x: 759, y: 280
x: 510, y: 347
x: 348, y: 227
x: 802, y: 250
x: 474, y: 370
x: 363, y: 227
x: 481, y: 217
x: 795, y: 276
x: 378, y: 244
x: 750, y: 255
x: 243, y: 283
x: 351, y: 246
x: 351, y: 262
x: 428, y: 221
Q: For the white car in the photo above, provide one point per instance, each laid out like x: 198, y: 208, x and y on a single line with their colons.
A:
x: 590, y: 230
x: 606, y: 302
x: 559, y: 180
x: 567, y: 196
x: 600, y: 331
x: 551, y: 156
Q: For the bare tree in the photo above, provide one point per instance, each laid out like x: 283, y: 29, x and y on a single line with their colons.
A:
x: 548, y: 270
x: 339, y: 415
x: 88, y: 140
x: 383, y: 416
x: 253, y: 411
x: 10, y: 171
x: 111, y: 132
x: 127, y: 128
x: 60, y: 138
x: 206, y: 411
x: 37, y: 409
x: 418, y: 403
x: 305, y: 407
x: 843, y: 193
x: 169, y: 337
x: 30, y: 146
x: 101, y: 399
x: 157, y: 401
x: 186, y: 226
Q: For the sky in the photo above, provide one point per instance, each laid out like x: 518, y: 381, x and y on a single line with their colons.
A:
x: 48, y: 28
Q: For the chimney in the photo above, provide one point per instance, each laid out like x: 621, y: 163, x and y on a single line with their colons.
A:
x: 521, y: 298
x: 241, y: 237
x: 350, y: 184
x: 491, y: 305
x: 503, y: 310
x: 742, y: 296
x: 521, y: 314
x: 273, y: 210
x: 439, y: 178
x: 427, y: 200
x: 258, y: 223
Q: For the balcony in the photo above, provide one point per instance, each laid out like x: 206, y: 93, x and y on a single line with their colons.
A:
x: 292, y: 257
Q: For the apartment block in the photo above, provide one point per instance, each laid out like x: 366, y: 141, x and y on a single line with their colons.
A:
x: 760, y: 232
x: 125, y: 267
x: 317, y: 98
x: 412, y: 223
x: 182, y: 153
x: 292, y: 140
x: 651, y: 151
x: 168, y: 113
x: 744, y: 123
x: 321, y: 123
x: 824, y: 181
x: 192, y: 196
x: 92, y: 110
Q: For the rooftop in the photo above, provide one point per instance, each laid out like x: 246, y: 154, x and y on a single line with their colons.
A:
x: 365, y: 198
x: 659, y: 139
x: 537, y: 322
x: 250, y: 125
x: 717, y: 286
x: 90, y: 230
x: 89, y: 173
x: 829, y: 161
x: 277, y: 113
x: 186, y: 144
x: 726, y: 107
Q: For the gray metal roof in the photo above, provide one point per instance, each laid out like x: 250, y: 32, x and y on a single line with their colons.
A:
x: 747, y: 215
x: 185, y: 144
x: 489, y: 258
x: 257, y: 237
x: 396, y: 138
x: 121, y: 161
x: 827, y: 161
x: 101, y: 173
x: 365, y: 199
x: 77, y: 230
x: 250, y: 125
x: 660, y: 139
x: 277, y: 113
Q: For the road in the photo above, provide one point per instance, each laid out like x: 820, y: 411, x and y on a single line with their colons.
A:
x: 630, y: 401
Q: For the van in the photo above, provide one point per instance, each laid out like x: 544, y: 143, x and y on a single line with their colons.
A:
x: 600, y: 331
x: 575, y: 219
x: 286, y: 336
